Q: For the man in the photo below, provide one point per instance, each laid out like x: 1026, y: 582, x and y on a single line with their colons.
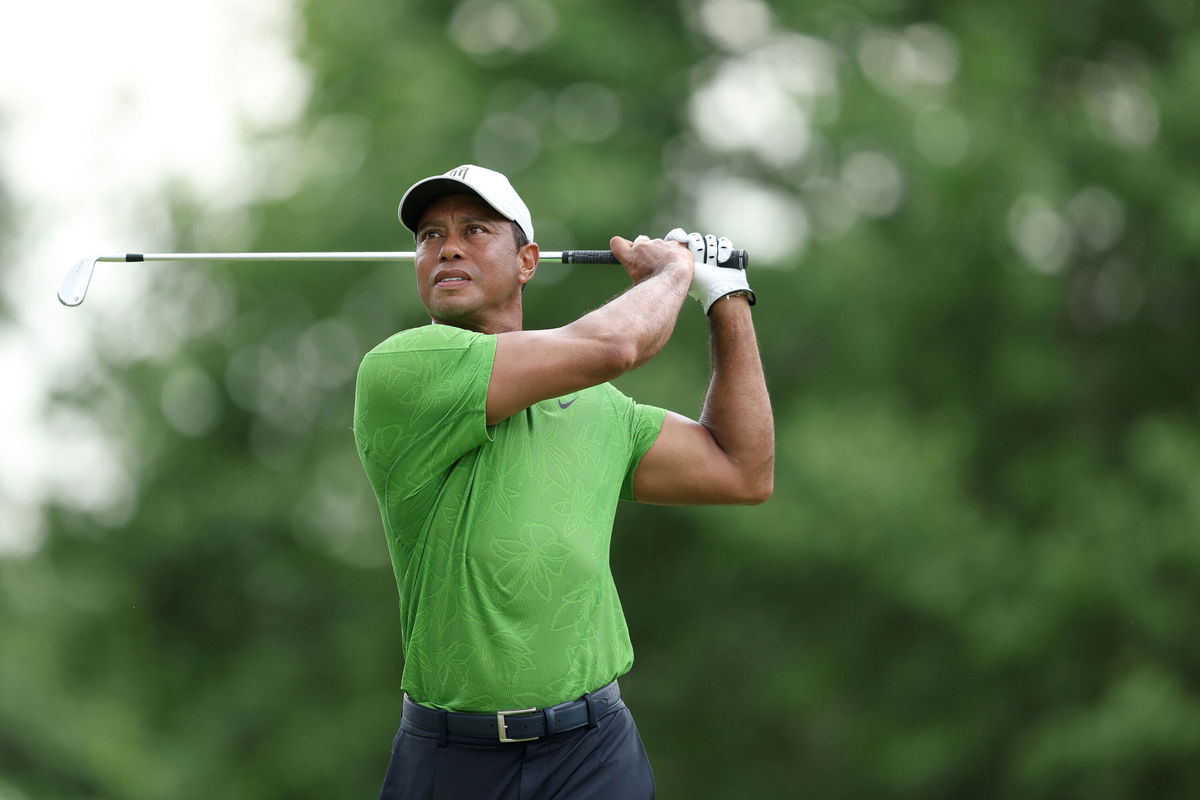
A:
x: 498, y: 456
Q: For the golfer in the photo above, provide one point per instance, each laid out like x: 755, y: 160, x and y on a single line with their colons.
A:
x: 498, y: 456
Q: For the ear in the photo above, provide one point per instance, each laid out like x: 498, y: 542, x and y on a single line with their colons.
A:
x: 528, y: 256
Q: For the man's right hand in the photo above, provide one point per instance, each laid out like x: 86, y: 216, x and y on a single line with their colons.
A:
x: 645, y: 257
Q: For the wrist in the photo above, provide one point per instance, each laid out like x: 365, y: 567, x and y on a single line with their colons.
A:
x: 737, y: 301
x: 678, y: 270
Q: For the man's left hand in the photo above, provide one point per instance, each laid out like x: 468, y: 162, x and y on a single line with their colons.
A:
x: 712, y: 282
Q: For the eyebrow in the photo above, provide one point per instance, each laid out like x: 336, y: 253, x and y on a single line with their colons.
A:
x: 467, y: 218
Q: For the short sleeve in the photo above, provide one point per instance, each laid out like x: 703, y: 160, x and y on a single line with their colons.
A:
x: 421, y: 403
x: 645, y: 423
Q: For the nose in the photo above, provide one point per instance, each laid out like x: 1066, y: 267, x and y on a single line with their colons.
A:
x: 451, y: 248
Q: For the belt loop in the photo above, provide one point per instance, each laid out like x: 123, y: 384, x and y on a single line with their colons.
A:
x: 551, y: 722
x: 443, y: 730
x: 591, y: 709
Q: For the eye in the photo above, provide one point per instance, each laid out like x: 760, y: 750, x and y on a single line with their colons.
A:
x: 475, y: 228
x: 428, y: 234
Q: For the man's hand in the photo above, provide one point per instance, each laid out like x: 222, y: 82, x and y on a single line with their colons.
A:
x: 711, y: 282
x: 645, y: 257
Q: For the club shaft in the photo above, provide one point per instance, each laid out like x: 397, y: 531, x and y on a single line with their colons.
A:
x: 74, y: 287
x: 737, y: 258
x: 328, y: 256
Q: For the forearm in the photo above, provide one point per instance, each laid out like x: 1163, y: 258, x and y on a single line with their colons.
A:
x: 737, y: 407
x: 638, y: 323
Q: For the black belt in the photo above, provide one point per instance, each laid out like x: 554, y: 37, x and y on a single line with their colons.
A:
x: 521, y: 725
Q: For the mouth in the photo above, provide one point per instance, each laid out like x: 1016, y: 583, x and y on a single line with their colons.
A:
x: 450, y: 278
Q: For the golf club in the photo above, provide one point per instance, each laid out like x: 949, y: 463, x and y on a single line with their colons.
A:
x: 75, y: 285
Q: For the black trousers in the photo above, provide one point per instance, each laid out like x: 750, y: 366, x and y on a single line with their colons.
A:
x: 607, y: 762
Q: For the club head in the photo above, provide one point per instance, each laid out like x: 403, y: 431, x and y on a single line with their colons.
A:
x: 75, y: 285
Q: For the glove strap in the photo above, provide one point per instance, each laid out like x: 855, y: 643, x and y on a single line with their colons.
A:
x: 746, y: 293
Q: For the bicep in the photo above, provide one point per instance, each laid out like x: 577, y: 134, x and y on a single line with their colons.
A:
x: 531, y: 366
x: 686, y: 466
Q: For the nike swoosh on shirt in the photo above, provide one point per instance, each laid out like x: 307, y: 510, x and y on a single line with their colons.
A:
x: 561, y: 404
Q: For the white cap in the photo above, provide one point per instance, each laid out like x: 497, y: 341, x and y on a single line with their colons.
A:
x: 491, y: 186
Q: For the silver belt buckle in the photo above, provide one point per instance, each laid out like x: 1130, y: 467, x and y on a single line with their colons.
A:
x: 502, y: 727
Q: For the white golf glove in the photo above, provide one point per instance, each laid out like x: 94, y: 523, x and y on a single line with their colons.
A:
x: 711, y: 282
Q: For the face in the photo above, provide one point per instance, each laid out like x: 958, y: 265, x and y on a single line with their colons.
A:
x: 469, y: 270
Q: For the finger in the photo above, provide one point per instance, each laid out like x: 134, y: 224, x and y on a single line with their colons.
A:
x: 696, y: 245
x: 710, y: 249
x: 724, y: 250
x: 677, y: 235
x: 620, y: 247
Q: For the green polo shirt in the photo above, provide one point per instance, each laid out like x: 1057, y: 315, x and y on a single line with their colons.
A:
x: 499, y: 535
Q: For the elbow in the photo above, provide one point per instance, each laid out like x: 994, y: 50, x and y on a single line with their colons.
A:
x: 603, y: 352
x: 760, y: 492
x: 754, y: 490
x: 761, y: 484
x: 620, y: 356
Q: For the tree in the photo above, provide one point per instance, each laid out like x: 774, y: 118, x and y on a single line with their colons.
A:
x: 978, y: 572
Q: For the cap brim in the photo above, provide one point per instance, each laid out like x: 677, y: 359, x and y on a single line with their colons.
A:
x: 422, y: 193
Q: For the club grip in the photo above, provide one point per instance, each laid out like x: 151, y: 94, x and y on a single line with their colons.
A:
x: 738, y: 259
x: 588, y: 257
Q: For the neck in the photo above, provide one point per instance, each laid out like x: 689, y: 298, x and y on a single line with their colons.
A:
x: 500, y: 323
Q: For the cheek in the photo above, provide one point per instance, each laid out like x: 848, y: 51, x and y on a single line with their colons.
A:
x: 423, y: 263
x: 421, y: 278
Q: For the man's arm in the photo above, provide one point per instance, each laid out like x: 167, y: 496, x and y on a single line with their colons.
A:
x: 621, y: 335
x: 728, y: 457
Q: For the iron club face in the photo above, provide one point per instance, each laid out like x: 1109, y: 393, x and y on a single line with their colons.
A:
x: 75, y: 285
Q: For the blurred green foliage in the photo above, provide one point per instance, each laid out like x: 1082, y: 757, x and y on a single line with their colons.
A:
x: 979, y: 574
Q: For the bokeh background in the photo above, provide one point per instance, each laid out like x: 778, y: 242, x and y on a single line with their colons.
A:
x: 974, y: 231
